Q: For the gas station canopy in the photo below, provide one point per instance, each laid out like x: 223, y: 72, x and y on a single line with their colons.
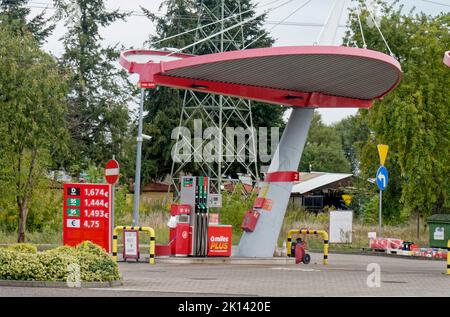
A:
x: 303, y: 76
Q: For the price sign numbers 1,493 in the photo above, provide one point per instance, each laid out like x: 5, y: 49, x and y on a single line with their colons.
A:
x: 95, y: 213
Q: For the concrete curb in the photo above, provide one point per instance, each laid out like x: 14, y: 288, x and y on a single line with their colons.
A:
x: 59, y: 284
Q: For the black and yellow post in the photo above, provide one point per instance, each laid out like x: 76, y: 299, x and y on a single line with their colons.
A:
x: 322, y: 233
x: 448, y: 257
x: 149, y: 230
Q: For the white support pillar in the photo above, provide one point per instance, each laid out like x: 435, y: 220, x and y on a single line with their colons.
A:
x: 263, y: 240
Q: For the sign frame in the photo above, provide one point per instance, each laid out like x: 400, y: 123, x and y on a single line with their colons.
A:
x: 130, y: 255
x: 341, y: 221
x: 87, y: 214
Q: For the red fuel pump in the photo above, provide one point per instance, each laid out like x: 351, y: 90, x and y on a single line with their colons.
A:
x: 192, y: 231
x: 183, y: 236
x: 180, y: 224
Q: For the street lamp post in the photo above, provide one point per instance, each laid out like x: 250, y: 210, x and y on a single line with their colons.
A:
x: 137, y: 178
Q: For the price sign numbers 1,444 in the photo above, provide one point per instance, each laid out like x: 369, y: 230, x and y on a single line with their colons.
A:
x: 95, y: 203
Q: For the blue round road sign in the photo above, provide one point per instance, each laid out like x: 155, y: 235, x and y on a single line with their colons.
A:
x: 382, y: 178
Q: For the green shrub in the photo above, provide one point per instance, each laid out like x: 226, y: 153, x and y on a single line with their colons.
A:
x: 370, y: 213
x: 95, y: 268
x: 91, y: 248
x: 23, y: 247
x: 18, y: 263
x: 235, y: 205
x: 63, y: 250
x: 55, y: 266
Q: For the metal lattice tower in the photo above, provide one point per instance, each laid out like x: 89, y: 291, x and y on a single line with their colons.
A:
x: 218, y: 111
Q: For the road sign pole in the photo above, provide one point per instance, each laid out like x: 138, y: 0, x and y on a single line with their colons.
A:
x: 382, y: 181
x: 113, y: 189
x: 112, y: 170
x: 379, y: 214
x: 137, y: 178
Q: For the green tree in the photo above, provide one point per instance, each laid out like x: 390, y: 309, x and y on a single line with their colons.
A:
x: 354, y: 132
x: 413, y: 119
x: 98, y: 114
x: 164, y: 104
x: 323, y: 149
x: 32, y: 104
x: 15, y: 14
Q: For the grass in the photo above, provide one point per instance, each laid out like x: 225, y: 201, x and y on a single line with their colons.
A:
x: 52, y: 238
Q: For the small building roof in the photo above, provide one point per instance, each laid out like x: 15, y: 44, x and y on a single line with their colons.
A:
x: 311, y: 181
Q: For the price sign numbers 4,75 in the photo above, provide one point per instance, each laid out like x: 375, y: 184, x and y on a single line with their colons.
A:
x: 91, y: 224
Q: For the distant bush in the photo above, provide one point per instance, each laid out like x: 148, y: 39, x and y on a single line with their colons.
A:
x: 235, y: 205
x: 18, y: 263
x: 23, y: 247
x: 370, y: 213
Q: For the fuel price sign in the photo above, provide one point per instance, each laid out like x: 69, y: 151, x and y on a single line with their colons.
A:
x: 87, y: 210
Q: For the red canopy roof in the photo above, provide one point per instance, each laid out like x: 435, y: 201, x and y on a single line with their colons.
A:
x: 306, y: 76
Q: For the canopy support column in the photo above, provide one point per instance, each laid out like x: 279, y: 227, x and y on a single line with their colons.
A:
x: 262, y: 241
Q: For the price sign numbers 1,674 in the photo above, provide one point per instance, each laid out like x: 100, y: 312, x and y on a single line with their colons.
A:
x: 96, y: 192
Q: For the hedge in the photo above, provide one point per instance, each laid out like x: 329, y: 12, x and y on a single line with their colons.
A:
x: 20, y: 263
x: 23, y: 247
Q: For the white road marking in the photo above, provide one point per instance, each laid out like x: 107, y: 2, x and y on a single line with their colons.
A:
x: 294, y: 269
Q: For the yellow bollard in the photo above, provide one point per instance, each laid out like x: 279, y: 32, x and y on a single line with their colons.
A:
x: 152, y: 244
x: 322, y: 233
x: 150, y: 231
x: 114, y: 243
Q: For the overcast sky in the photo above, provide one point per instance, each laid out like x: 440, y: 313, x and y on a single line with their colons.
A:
x: 136, y: 29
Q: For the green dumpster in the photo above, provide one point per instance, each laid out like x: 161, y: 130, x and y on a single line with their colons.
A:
x: 439, y: 229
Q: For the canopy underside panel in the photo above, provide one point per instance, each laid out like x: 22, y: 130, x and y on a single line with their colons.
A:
x: 305, y: 76
x: 337, y: 75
